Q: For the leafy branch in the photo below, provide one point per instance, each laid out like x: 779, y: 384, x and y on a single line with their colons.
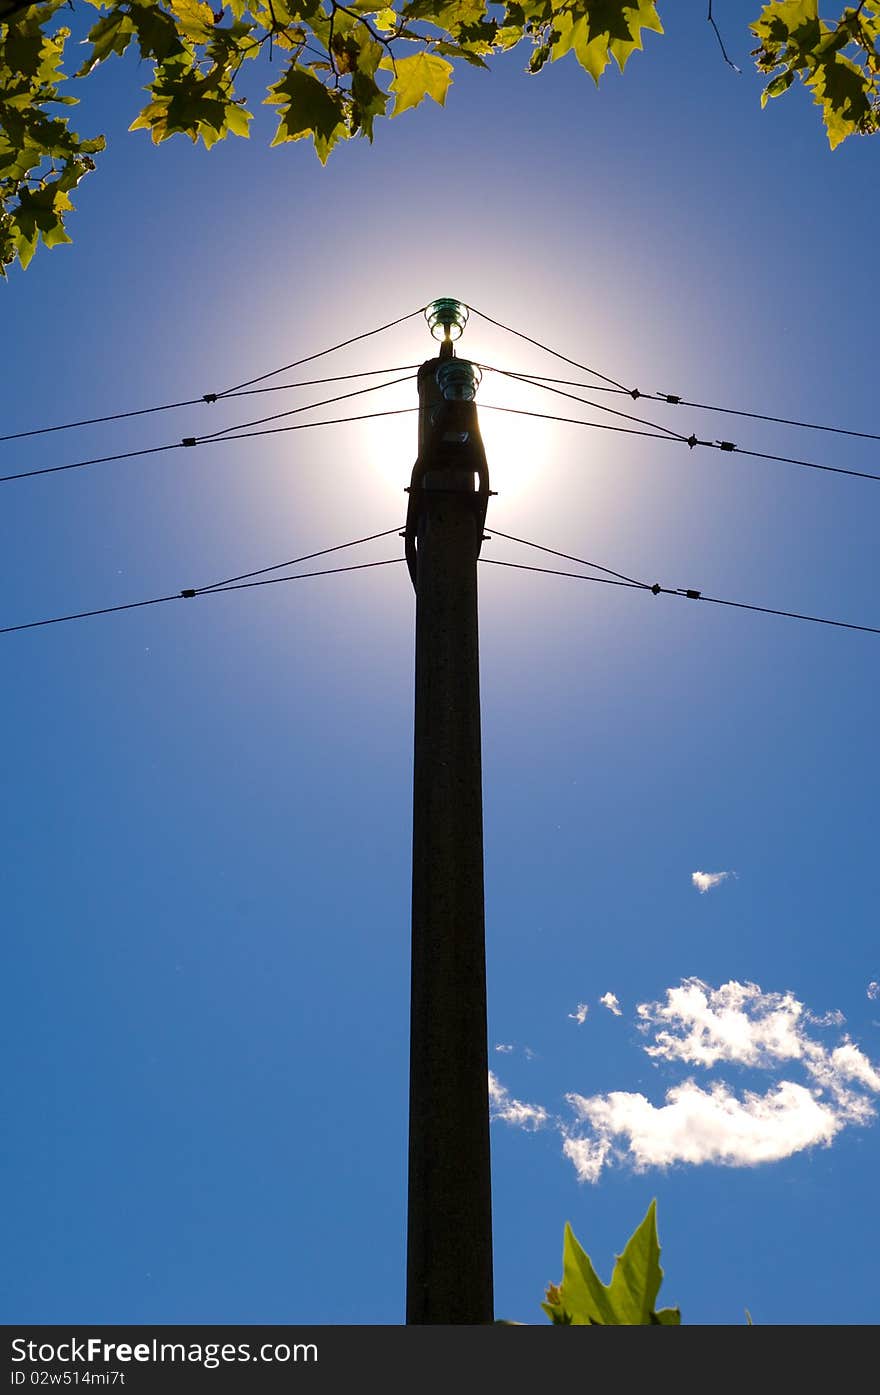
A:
x: 838, y: 63
x: 345, y: 65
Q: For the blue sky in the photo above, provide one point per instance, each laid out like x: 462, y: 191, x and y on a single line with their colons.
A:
x: 207, y: 824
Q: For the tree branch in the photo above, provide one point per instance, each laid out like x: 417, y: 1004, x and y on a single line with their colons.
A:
x: 729, y: 61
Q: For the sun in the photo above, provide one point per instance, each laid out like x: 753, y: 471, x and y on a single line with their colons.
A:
x: 516, y: 445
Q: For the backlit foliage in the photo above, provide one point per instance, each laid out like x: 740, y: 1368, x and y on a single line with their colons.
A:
x: 336, y: 68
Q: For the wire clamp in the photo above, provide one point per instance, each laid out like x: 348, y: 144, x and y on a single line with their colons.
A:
x: 691, y: 595
x: 670, y: 397
x: 692, y: 441
x: 188, y: 441
x: 188, y: 595
x: 656, y: 588
x: 634, y: 394
x: 725, y: 445
x: 210, y: 397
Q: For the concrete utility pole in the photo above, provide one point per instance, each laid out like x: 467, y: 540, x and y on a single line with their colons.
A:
x: 449, y: 1241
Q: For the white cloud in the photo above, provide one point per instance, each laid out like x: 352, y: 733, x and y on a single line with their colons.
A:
x: 589, y: 1156
x: 873, y: 989
x: 512, y: 1111
x: 697, y: 1125
x: 580, y: 1016
x: 834, y: 1018
x: 704, y: 881
x: 503, y: 1047
x: 736, y: 1024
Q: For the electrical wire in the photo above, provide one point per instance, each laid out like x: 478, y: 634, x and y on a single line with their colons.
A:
x: 86, y: 614
x: 293, y: 411
x: 317, y: 382
x: 607, y: 385
x: 243, y: 583
x: 97, y: 421
x: 790, y: 460
x: 96, y: 460
x: 672, y: 399
x: 496, y: 532
x: 194, y: 441
x: 546, y: 348
x: 297, y: 561
x: 310, y: 358
x: 301, y: 576
x: 189, y: 594
x: 682, y: 593
x: 600, y: 406
x: 208, y: 397
x: 728, y: 447
x: 556, y: 571
x: 304, y: 425
x: 760, y: 416
x: 578, y: 421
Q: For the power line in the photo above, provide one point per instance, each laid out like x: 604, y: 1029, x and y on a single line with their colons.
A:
x: 85, y: 614
x: 496, y: 532
x: 330, y: 571
x: 556, y: 571
x: 191, y: 593
x: 317, y: 382
x: 96, y: 460
x: 673, y: 399
x: 760, y: 416
x: 538, y: 378
x: 97, y: 421
x: 297, y: 561
x: 207, y: 397
x: 546, y: 349
x: 600, y: 406
x: 691, y: 441
x: 194, y: 441
x: 683, y: 593
x: 790, y: 460
x: 242, y: 583
x: 304, y: 425
x: 578, y: 421
x: 607, y: 385
x: 292, y: 411
x: 322, y: 353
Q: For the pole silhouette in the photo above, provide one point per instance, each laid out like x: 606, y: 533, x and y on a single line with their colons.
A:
x: 449, y: 1225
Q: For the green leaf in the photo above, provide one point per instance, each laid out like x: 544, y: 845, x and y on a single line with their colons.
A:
x: 779, y: 84
x: 423, y: 75
x: 196, y: 19
x: 458, y: 51
x: 368, y: 102
x: 783, y: 18
x: 842, y: 90
x: 112, y: 34
x: 796, y: 42
x: 598, y: 30
x: 583, y: 1300
x: 667, y: 1317
x: 309, y: 110
x: 158, y: 35
x: 642, y: 15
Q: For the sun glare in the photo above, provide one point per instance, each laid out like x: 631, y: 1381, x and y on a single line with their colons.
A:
x: 515, y: 445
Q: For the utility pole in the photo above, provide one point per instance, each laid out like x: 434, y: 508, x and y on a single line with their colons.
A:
x: 449, y: 1227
